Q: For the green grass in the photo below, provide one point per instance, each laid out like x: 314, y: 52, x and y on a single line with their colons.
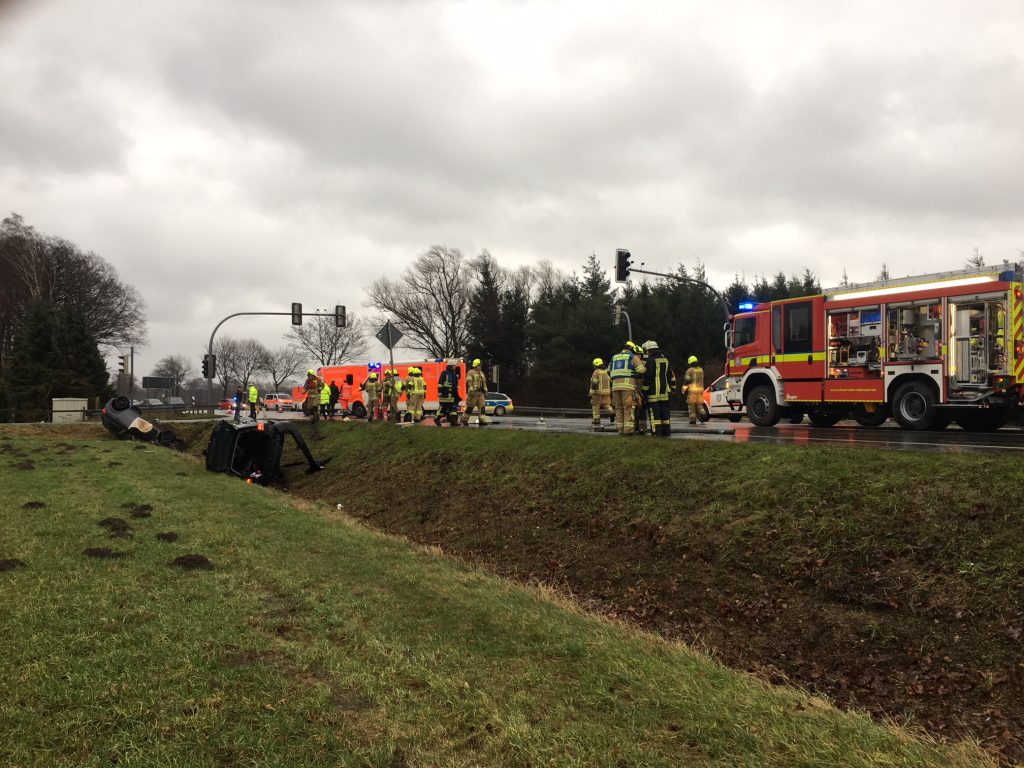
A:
x: 316, y: 642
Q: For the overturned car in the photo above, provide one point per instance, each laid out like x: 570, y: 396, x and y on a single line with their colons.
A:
x: 124, y: 421
x: 253, y: 450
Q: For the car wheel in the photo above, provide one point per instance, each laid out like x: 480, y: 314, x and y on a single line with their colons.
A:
x: 358, y: 410
x: 915, y: 406
x: 121, y: 403
x: 762, y: 410
x: 499, y: 410
x: 703, y: 414
x: 735, y: 417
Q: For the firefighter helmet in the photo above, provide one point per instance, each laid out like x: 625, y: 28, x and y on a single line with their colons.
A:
x: 598, y: 362
x: 476, y: 362
x: 691, y: 360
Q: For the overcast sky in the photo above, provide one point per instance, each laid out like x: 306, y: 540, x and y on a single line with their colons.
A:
x: 232, y: 156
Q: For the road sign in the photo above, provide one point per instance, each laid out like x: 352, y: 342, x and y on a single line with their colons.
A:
x: 158, y: 382
x: 389, y: 335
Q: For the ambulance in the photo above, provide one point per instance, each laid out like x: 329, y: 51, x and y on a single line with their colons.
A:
x: 353, y: 376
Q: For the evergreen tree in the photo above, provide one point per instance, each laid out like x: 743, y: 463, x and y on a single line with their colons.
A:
x: 484, y: 326
x: 54, y: 355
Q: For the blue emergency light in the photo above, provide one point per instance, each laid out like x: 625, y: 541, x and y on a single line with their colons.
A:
x: 746, y: 306
x: 373, y: 366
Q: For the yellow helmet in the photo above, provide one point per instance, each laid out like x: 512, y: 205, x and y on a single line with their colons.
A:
x: 598, y: 362
x: 415, y: 370
x: 311, y: 372
x: 373, y: 377
x: 691, y: 360
x: 476, y: 362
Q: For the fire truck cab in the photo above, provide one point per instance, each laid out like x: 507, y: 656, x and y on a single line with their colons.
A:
x: 924, y: 350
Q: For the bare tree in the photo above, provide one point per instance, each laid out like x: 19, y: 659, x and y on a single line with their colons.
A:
x: 976, y: 260
x: 326, y: 343
x: 430, y: 302
x: 281, y: 364
x: 36, y: 268
x: 226, y: 352
x: 246, y: 361
x: 883, y: 273
x: 177, y: 367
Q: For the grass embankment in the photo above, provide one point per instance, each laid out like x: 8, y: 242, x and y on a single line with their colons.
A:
x: 892, y: 581
x: 313, y: 641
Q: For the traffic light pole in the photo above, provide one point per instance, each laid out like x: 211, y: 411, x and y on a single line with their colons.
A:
x: 209, y: 348
x: 721, y: 299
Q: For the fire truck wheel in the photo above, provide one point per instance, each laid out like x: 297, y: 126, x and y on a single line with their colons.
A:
x: 824, y: 418
x: 875, y: 419
x: 915, y: 406
x: 762, y: 409
x: 358, y: 410
x: 981, y: 421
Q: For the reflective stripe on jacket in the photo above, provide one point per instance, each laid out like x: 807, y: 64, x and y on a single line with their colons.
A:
x: 659, y: 379
x: 622, y: 371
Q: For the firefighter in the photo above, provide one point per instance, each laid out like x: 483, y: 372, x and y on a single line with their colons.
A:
x: 659, y: 381
x: 693, y: 387
x: 391, y: 394
x: 372, y: 389
x: 311, y: 404
x: 600, y: 392
x: 447, y: 394
x: 254, y: 398
x: 622, y: 372
x: 416, y: 389
x: 476, y: 389
x: 639, y: 403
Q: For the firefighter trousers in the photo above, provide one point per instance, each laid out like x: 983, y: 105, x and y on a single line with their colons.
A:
x: 622, y: 404
x: 415, y: 403
x: 661, y: 420
x: 599, y: 404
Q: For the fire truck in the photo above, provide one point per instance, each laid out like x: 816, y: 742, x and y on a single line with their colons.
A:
x: 923, y: 350
x: 355, y: 375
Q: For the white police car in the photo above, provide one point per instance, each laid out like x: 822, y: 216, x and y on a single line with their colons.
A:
x: 497, y: 404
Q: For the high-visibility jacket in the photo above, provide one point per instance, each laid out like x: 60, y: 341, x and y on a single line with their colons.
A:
x: 254, y: 394
x: 417, y: 385
x: 372, y: 389
x: 600, y: 383
x: 446, y: 386
x: 325, y: 396
x: 622, y: 371
x: 659, y: 379
x: 476, y: 381
x: 312, y: 388
x: 693, y: 381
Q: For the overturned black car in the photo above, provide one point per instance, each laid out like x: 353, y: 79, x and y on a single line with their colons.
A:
x: 124, y: 421
x: 253, y: 450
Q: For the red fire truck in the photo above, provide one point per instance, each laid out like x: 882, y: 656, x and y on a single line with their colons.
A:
x: 924, y: 350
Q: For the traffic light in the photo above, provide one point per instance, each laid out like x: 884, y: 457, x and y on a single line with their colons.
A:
x: 122, y: 364
x: 339, y: 316
x: 296, y: 313
x: 209, y: 366
x: 622, y: 264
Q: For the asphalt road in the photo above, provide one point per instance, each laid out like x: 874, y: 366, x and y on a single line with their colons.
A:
x: 845, y: 433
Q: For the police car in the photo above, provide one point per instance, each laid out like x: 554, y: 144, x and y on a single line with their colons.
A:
x: 497, y: 404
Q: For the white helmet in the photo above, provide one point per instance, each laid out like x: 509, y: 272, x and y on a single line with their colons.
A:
x: 649, y: 345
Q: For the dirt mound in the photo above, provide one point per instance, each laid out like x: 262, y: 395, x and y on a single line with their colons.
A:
x: 104, y: 553
x: 33, y: 505
x: 113, y: 524
x: 143, y: 510
x: 168, y: 536
x: 11, y: 564
x: 27, y: 464
x: 192, y: 563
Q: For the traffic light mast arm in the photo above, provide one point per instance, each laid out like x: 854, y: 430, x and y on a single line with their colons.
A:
x: 209, y: 349
x: 721, y: 299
